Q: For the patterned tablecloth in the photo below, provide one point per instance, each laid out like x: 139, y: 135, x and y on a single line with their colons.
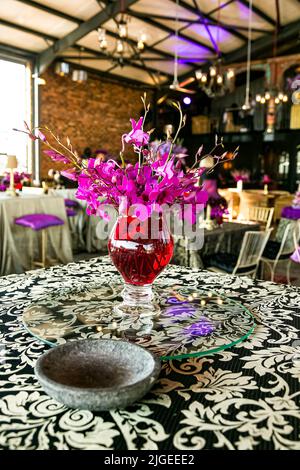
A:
x: 246, y: 397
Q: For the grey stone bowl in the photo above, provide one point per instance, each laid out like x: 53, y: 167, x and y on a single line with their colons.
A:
x: 97, y: 374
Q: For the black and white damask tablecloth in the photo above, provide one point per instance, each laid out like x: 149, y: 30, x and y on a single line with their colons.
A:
x: 247, y: 397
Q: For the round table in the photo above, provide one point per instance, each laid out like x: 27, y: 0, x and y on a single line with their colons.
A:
x: 246, y: 397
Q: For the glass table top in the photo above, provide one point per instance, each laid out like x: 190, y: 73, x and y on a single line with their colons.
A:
x: 192, y: 322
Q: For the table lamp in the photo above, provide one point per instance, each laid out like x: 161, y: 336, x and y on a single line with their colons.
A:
x: 11, y: 165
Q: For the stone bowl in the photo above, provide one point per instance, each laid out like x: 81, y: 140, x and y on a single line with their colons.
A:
x: 97, y: 374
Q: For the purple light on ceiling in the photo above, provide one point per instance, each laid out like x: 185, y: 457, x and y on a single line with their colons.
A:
x: 185, y: 48
x: 244, y: 12
x: 219, y: 36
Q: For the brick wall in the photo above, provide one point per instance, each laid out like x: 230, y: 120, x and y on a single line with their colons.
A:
x: 94, y: 114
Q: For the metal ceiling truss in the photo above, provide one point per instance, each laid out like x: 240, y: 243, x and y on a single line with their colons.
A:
x: 262, y: 47
x: 259, y: 12
x: 78, y: 21
x: 143, y: 16
x: 67, y: 17
x: 198, y: 12
x: 111, y: 10
x: 97, y: 55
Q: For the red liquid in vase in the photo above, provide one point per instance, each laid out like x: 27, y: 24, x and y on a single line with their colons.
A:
x: 138, y: 259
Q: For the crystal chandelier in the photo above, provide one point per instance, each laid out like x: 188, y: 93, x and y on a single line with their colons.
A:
x: 124, y: 47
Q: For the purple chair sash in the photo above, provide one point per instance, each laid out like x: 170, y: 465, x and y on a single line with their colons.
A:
x: 71, y: 212
x: 71, y: 203
x: 38, y: 221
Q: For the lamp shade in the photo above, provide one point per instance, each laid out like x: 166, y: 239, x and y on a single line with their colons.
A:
x: 79, y: 76
x: 207, y: 162
x: 11, y: 162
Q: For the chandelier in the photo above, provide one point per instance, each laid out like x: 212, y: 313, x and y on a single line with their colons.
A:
x: 277, y: 96
x: 124, y: 47
x: 216, y: 82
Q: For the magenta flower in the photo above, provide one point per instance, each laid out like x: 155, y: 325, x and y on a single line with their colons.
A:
x: 41, y: 136
x: 267, y: 179
x: 137, y: 136
x: 71, y: 174
x: 57, y: 157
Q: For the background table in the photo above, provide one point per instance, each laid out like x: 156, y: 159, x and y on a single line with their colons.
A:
x: 15, y: 240
x: 247, y: 397
x: 225, y: 239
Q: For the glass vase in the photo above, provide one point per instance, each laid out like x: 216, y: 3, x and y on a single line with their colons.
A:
x: 140, y: 250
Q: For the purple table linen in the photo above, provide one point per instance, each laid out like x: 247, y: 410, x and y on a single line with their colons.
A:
x: 290, y: 212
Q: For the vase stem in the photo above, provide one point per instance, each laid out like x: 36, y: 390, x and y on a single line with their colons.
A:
x: 138, y: 300
x: 137, y: 295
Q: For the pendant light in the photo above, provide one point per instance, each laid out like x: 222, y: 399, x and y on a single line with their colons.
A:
x: 246, y: 105
x: 79, y: 75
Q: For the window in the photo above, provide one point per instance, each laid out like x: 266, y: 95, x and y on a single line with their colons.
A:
x: 14, y: 109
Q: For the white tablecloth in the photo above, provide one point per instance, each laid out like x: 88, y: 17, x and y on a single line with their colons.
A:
x: 89, y: 233
x: 15, y: 240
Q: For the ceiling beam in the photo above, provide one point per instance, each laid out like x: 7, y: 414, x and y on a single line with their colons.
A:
x: 111, y: 10
x: 263, y: 45
x: 197, y: 11
x: 97, y: 54
x: 50, y: 10
x: 24, y: 29
x: 128, y: 61
x: 169, y: 31
x: 259, y: 12
x: 144, y: 16
x: 16, y: 51
x: 78, y: 21
x: 114, y: 78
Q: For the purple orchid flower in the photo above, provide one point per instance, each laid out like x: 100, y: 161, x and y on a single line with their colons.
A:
x: 137, y: 136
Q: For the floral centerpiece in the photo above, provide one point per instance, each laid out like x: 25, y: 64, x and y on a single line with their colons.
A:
x: 20, y: 178
x: 266, y: 179
x: 140, y: 244
x: 241, y: 175
x: 219, y: 208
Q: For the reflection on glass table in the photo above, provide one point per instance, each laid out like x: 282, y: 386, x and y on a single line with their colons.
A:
x: 191, y: 322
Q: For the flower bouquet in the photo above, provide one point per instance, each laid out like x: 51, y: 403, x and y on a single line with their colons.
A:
x: 140, y: 244
x: 20, y: 179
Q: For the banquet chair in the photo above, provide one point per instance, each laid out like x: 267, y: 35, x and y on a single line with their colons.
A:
x: 262, y: 215
x: 40, y: 223
x: 250, y: 199
x: 295, y: 257
x: 247, y: 262
x: 280, y: 251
